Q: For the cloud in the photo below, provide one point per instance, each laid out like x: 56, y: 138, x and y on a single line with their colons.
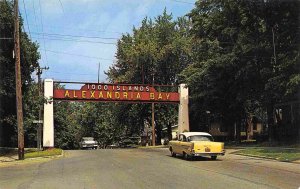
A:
x: 104, y: 18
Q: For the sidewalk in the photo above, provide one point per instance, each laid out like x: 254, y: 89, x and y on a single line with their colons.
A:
x: 231, y: 151
x: 8, y: 158
x: 8, y: 154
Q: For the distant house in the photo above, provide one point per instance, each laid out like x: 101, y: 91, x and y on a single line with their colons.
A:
x: 174, y: 129
x: 287, y: 121
x: 248, y: 131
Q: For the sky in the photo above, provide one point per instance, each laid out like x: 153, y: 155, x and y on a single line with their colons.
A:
x: 75, y: 36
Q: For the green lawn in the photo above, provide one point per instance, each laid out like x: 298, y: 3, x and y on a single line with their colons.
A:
x: 279, y: 154
x: 49, y: 152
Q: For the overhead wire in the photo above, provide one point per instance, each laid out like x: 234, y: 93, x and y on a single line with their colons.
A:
x: 73, y: 54
x: 185, y: 2
x: 26, y: 18
x: 46, y: 58
x: 34, y: 12
x: 74, y: 40
x: 62, y: 7
x: 68, y: 73
x: 69, y: 35
x: 35, y: 20
x: 72, y: 28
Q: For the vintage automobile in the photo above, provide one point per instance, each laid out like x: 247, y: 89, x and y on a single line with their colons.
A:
x: 88, y: 142
x: 192, y: 144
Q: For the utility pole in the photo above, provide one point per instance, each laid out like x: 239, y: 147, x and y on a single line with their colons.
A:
x: 39, y: 129
x: 153, y: 126
x: 99, y: 71
x: 18, y: 84
x: 274, y: 49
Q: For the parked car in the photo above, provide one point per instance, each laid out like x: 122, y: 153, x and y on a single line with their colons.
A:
x: 112, y: 146
x: 192, y: 144
x: 88, y: 142
x: 126, y: 143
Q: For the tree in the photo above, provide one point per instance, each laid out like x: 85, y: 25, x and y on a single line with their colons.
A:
x: 155, y: 53
x: 29, y: 62
x: 235, y: 69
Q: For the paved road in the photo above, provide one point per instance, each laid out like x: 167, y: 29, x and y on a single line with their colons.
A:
x: 148, y: 168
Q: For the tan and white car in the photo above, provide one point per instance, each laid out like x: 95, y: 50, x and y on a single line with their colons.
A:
x: 193, y: 144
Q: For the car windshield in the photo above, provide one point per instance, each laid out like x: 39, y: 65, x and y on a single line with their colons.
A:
x: 88, y: 139
x: 200, y: 138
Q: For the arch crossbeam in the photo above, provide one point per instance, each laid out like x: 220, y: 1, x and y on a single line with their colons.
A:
x: 135, y: 93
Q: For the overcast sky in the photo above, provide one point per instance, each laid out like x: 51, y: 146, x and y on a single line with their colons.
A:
x: 76, y: 35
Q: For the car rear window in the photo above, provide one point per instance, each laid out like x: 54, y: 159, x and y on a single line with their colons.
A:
x: 200, y: 138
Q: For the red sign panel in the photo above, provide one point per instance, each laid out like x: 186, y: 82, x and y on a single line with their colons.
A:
x: 116, y: 92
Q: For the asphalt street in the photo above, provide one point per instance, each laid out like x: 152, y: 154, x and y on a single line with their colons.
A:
x: 148, y: 168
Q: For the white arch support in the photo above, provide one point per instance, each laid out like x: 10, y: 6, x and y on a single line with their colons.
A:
x: 183, y: 112
x: 48, y: 130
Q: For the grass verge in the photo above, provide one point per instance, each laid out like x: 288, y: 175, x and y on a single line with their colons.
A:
x: 49, y: 152
x: 279, y: 154
x: 158, y: 146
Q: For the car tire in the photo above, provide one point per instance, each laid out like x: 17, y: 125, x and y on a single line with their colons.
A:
x: 173, y: 154
x: 213, y: 157
x: 186, y: 156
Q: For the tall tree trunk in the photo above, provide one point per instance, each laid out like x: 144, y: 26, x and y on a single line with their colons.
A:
x: 280, y: 132
x: 270, y: 109
x: 238, y: 131
x: 169, y: 130
x: 158, y: 134
x: 249, y: 127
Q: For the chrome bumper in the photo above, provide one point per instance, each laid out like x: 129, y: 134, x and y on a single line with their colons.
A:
x: 208, y: 154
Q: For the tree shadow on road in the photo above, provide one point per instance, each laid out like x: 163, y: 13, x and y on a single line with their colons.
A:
x: 200, y: 158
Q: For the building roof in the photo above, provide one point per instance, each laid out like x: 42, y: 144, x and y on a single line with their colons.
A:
x: 172, y: 127
x: 188, y: 134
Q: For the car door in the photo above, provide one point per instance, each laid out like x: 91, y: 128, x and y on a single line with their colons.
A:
x: 184, y: 144
x: 181, y: 141
x: 176, y: 145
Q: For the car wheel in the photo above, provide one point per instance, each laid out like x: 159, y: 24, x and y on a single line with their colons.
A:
x: 173, y: 154
x: 186, y: 156
x: 213, y: 157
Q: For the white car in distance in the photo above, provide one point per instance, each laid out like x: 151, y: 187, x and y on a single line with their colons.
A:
x: 88, y: 142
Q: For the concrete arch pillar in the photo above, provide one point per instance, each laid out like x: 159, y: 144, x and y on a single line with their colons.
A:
x: 183, y: 110
x: 48, y: 130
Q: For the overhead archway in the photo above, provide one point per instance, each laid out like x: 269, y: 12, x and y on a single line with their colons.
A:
x: 108, y: 92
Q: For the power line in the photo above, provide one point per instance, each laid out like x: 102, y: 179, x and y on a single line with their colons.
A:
x: 68, y: 35
x: 185, y: 2
x: 73, y: 54
x: 26, y: 18
x: 62, y: 7
x: 68, y: 73
x: 72, y: 28
x: 43, y: 31
x: 35, y: 20
x: 68, y: 80
x: 74, y: 40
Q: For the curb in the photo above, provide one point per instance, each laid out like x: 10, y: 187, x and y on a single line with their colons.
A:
x: 11, y: 159
x: 153, y: 147
x: 54, y: 156
x: 266, y: 158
